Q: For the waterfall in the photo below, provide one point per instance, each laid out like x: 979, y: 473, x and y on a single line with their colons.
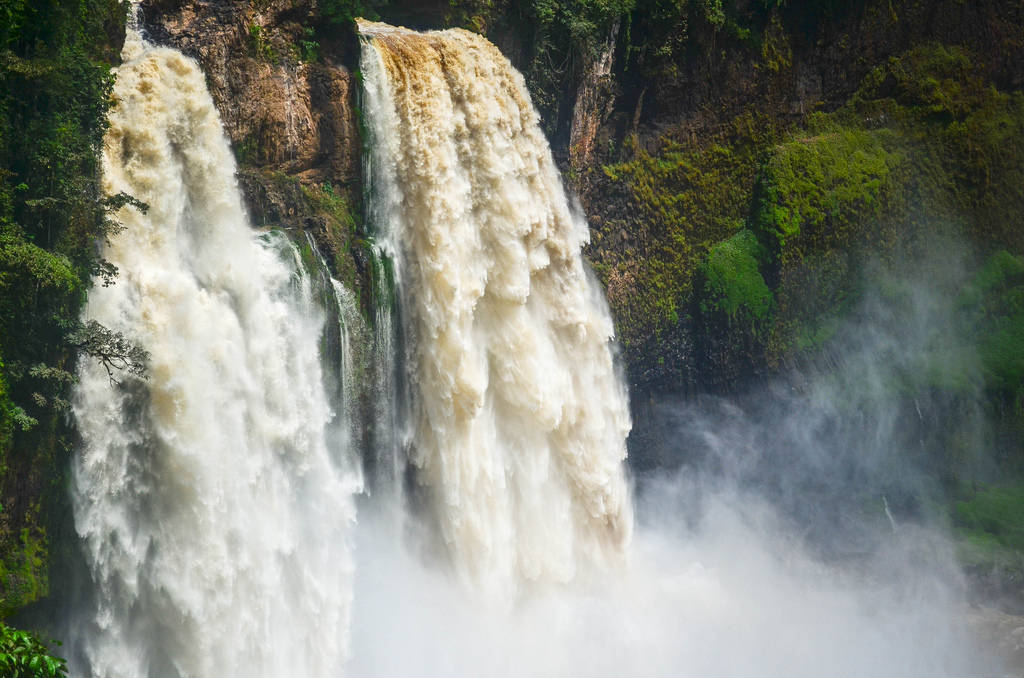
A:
x: 215, y: 499
x: 518, y: 414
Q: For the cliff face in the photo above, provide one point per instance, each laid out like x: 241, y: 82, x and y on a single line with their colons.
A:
x: 288, y: 107
x: 663, y: 116
x: 700, y: 108
x: 284, y: 109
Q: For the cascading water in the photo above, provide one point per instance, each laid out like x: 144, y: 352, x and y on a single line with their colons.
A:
x: 215, y: 500
x: 519, y: 418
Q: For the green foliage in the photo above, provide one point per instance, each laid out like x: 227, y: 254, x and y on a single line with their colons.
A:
x: 22, y: 655
x: 55, y: 85
x: 6, y: 421
x: 994, y: 511
x: 474, y: 15
x: 733, y: 281
x: 309, y: 49
x: 24, y: 569
x: 112, y: 349
x: 345, y: 12
x: 259, y: 46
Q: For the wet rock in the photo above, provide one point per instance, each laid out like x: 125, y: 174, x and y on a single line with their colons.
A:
x: 281, y: 112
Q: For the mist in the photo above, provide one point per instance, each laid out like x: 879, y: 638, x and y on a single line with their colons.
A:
x: 793, y: 530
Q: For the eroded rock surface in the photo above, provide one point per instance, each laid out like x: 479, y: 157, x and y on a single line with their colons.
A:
x: 285, y: 106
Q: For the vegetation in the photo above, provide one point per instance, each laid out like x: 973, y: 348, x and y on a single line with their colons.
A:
x: 345, y: 12
x: 925, y: 141
x: 55, y: 83
x: 341, y: 232
x: 811, y: 188
x: 672, y: 207
x: 259, y: 46
x: 989, y: 524
x: 733, y: 283
x: 746, y: 250
x: 23, y: 656
x: 733, y: 239
x: 997, y: 512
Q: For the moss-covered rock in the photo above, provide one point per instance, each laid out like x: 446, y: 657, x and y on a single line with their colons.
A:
x: 814, y: 188
x: 733, y: 283
x: 24, y: 570
x: 989, y: 525
x: 879, y: 180
x: 662, y: 214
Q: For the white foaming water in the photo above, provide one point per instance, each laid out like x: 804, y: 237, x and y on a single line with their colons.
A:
x: 519, y: 418
x: 214, y: 503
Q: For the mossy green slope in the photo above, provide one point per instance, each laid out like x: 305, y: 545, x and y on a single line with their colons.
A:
x: 925, y: 145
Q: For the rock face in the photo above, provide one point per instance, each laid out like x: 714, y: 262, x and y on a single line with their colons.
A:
x: 277, y: 72
x: 594, y: 103
x: 670, y: 174
x: 1002, y: 636
x: 672, y: 118
x: 284, y: 109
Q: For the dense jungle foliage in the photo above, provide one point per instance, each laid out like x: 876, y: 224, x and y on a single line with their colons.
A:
x: 55, y: 80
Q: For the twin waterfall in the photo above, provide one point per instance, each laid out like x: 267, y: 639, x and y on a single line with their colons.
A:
x: 216, y: 500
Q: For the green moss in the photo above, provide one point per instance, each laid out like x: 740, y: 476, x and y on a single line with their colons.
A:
x: 776, y: 52
x: 930, y: 80
x: 247, y: 152
x: 733, y: 281
x: 24, y: 570
x: 967, y: 136
x: 341, y: 228
x: 823, y: 180
x: 822, y: 203
x: 1002, y: 354
x: 332, y: 203
x: 1001, y: 268
x: 925, y: 146
x: 677, y: 204
x: 993, y: 305
x: 993, y: 513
